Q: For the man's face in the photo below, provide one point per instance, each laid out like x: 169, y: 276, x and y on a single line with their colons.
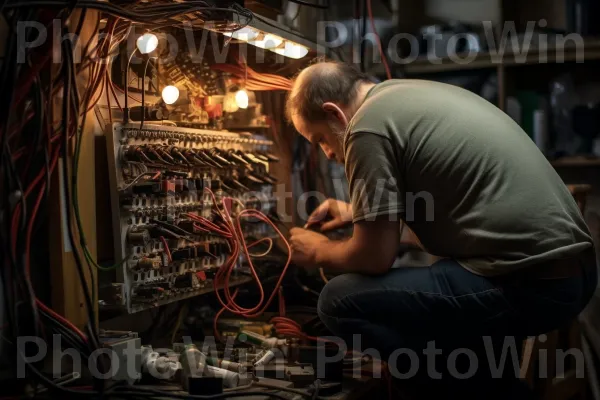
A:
x: 328, y: 135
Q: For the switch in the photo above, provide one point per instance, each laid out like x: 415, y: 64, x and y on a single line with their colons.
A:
x: 201, y: 275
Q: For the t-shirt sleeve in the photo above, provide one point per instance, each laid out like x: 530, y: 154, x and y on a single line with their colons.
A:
x: 374, y: 178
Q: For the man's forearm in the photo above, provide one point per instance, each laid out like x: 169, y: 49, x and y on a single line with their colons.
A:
x: 344, y: 256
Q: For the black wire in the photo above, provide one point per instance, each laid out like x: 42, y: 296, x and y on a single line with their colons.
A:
x: 150, y: 14
x: 309, y: 4
x: 144, y: 91
x: 73, y: 339
x: 147, y: 391
x: 22, y: 240
x: 171, y: 227
x: 22, y: 284
x: 8, y: 78
x: 363, y: 46
x: 67, y: 91
x: 295, y: 16
x: 264, y: 21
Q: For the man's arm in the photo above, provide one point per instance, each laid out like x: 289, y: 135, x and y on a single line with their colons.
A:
x: 372, y: 249
x: 376, y: 185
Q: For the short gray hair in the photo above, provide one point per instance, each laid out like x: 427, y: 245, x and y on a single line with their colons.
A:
x: 329, y: 81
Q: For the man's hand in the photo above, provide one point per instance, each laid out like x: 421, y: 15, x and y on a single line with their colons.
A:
x: 305, y: 244
x: 331, y: 214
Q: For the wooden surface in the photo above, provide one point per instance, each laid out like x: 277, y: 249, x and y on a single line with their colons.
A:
x: 67, y: 293
x: 576, y: 162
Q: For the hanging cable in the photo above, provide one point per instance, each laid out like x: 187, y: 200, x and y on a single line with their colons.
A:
x: 383, y: 54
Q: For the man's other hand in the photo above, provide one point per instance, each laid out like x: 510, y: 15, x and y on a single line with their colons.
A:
x: 305, y: 244
x: 331, y: 214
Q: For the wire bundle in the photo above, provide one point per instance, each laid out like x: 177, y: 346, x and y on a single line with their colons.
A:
x: 194, y: 13
x: 38, y: 142
x: 283, y: 325
x: 231, y: 230
x: 43, y: 113
x: 253, y: 80
x: 287, y: 326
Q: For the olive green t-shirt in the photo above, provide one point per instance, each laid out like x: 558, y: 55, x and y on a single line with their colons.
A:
x: 462, y: 174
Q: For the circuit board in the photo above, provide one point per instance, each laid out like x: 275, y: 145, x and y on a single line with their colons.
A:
x: 167, y: 184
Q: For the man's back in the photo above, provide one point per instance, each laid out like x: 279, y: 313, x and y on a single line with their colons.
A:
x: 484, y: 193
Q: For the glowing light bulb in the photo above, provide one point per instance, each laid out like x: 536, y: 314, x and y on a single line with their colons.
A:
x: 268, y: 41
x: 241, y: 98
x: 170, y: 94
x: 246, y: 33
x: 292, y: 50
x: 147, y: 43
x: 229, y: 103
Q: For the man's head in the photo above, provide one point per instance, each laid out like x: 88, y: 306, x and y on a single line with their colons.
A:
x: 323, y: 100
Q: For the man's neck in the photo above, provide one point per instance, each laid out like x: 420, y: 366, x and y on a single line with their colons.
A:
x: 361, y: 95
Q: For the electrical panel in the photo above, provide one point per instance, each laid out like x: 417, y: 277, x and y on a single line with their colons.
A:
x: 166, y: 184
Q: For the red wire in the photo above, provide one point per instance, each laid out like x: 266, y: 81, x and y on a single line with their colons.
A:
x: 112, y: 90
x: 61, y: 319
x: 215, y: 320
x: 383, y: 55
x: 209, y: 225
x: 128, y: 95
x: 198, y: 227
x: 166, y: 246
x: 288, y: 327
x: 224, y: 273
x: 28, y: 242
x: 19, y: 153
x: 28, y: 251
x: 24, y: 84
x: 36, y: 207
x: 17, y: 129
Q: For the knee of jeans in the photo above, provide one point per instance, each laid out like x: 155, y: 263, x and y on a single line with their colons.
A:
x: 333, y: 292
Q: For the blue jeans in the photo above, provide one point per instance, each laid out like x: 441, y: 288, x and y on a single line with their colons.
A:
x: 446, y: 307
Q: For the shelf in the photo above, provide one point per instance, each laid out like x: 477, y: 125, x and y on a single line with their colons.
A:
x: 208, y: 288
x: 485, y: 60
x: 576, y: 162
x: 247, y: 128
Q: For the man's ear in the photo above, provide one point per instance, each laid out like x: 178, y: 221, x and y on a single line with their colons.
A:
x: 336, y: 112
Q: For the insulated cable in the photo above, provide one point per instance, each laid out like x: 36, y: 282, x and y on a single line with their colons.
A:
x: 388, y: 73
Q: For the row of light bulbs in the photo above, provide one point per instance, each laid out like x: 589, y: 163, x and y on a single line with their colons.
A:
x: 269, y: 41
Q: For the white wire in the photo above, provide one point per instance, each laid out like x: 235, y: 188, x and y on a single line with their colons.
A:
x: 136, y: 180
x: 266, y: 251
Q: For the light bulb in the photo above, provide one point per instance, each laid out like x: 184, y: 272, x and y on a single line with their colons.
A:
x: 170, y: 94
x: 241, y: 98
x: 229, y: 103
x: 292, y: 50
x: 268, y: 41
x: 147, y: 43
x: 246, y: 33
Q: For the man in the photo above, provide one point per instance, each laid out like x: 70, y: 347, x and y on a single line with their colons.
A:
x: 516, y: 256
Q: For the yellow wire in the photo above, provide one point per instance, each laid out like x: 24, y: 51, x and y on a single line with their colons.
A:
x: 182, y: 311
x: 267, y: 251
x: 322, y: 273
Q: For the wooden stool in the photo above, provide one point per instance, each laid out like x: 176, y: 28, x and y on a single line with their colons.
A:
x: 547, y: 382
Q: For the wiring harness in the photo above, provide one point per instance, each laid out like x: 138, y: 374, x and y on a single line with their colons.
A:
x: 43, y: 111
